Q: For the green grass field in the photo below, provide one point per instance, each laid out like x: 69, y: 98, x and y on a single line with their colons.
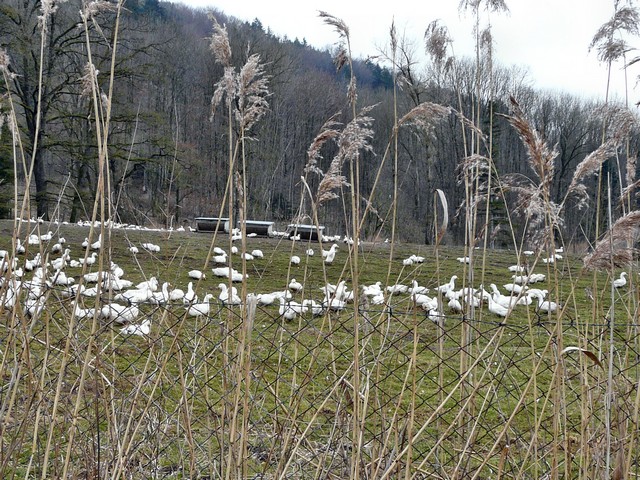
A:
x: 379, y: 392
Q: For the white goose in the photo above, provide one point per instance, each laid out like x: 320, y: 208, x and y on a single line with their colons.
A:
x: 415, y: 288
x: 60, y: 278
x: 455, y: 305
x: 161, y: 297
x: 152, y: 247
x: 341, y: 291
x: 97, y: 245
x: 506, y: 301
x: 91, y: 259
x: 176, y: 294
x: 222, y: 258
x: 83, y: 313
x: 266, y: 298
x: 421, y: 299
x: 372, y: 290
x: 621, y: 281
x: 514, y: 287
x: 226, y: 297
x: 134, y: 295
x: 196, y: 274
x: 334, y: 304
x: 286, y: 310
x: 377, y: 299
x: 537, y: 277
x: 151, y: 284
x: 34, y: 306
x: 449, y: 286
x: 316, y: 308
x: 397, y: 288
x: 61, y: 262
x: 544, y: 305
x: 331, y: 254
x: 141, y: 330
x: 119, y: 313
x: 190, y: 294
x: 111, y: 282
x: 496, y: 308
x: 295, y: 285
x: 200, y: 308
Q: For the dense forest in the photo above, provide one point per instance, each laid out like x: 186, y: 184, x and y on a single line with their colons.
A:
x: 168, y: 148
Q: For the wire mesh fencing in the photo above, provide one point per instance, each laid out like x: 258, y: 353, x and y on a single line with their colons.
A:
x: 371, y: 392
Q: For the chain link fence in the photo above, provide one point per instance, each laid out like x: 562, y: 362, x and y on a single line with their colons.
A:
x: 385, y: 392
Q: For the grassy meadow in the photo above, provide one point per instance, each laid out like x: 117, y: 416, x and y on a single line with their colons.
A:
x: 246, y: 393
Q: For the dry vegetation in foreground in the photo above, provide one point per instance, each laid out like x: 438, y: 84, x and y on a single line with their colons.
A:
x: 268, y: 397
x: 385, y: 386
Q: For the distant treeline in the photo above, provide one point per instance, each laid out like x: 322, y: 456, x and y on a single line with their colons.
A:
x: 168, y: 149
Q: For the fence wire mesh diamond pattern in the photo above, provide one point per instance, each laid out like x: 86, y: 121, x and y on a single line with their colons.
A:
x: 374, y: 393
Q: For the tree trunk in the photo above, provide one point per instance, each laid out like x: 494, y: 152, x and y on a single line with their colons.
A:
x: 40, y: 176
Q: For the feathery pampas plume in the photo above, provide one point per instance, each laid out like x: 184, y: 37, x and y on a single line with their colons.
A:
x: 630, y: 175
x: 343, y: 52
x: 534, y: 201
x: 491, y: 5
x: 619, y: 121
x: 473, y: 166
x: 538, y: 153
x: 47, y: 8
x: 341, y: 56
x: 221, y: 49
x: 628, y: 189
x: 341, y: 28
x: 246, y: 91
x: 436, y: 41
x: 425, y: 115
x: 219, y: 44
x: 89, y: 79
x: 615, y: 249
x: 92, y: 9
x: 607, y: 40
x: 253, y: 89
x: 314, y: 155
x: 351, y: 140
x: 589, y: 166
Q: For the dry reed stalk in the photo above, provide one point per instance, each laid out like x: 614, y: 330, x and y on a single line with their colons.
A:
x: 392, y: 432
x: 455, y: 388
x: 353, y: 139
x: 464, y: 409
x: 103, y: 117
x: 69, y: 338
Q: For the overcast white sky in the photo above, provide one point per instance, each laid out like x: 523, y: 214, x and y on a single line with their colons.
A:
x: 549, y: 37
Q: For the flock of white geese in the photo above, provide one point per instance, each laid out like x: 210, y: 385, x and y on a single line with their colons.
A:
x: 123, y: 308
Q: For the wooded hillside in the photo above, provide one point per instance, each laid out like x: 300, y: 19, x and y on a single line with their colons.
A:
x: 168, y: 149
